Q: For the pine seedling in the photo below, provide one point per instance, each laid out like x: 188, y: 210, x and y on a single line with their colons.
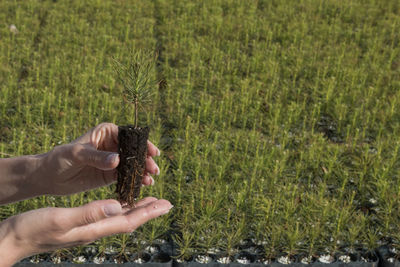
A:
x: 136, y: 79
x: 138, y: 84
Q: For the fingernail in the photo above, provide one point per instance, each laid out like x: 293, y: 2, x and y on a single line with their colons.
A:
x: 112, y: 209
x: 111, y: 158
x: 152, y: 180
x: 166, y: 211
x: 158, y: 171
x: 158, y: 152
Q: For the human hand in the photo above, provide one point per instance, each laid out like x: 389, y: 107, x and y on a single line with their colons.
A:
x: 87, y: 163
x: 48, y: 229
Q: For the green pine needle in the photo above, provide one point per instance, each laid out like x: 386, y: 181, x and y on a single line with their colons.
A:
x: 136, y: 78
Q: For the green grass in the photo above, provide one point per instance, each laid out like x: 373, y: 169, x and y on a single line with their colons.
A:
x: 280, y: 122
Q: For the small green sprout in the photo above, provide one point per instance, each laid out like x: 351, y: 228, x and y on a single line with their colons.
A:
x: 136, y: 78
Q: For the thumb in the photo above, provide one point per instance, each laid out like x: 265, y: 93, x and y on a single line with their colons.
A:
x: 93, y: 212
x: 102, y: 160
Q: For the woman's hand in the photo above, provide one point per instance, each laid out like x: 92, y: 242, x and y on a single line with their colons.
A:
x: 48, y: 229
x: 87, y: 163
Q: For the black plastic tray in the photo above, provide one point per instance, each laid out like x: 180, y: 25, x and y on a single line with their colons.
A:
x: 163, y: 259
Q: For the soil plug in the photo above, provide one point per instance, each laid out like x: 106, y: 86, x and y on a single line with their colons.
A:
x: 137, y: 82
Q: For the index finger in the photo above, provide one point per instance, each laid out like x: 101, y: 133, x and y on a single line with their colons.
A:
x: 152, y: 150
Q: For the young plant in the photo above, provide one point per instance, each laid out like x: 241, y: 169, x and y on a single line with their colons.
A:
x: 136, y: 79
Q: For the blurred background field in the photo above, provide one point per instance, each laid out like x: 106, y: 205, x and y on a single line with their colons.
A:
x: 280, y: 123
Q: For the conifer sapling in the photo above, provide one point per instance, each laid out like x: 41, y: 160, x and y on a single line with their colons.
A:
x: 136, y: 79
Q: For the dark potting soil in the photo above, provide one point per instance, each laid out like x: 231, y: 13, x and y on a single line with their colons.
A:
x: 132, y: 148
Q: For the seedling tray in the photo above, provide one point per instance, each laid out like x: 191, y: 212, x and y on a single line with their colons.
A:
x: 212, y: 264
x: 164, y: 260
x: 387, y: 258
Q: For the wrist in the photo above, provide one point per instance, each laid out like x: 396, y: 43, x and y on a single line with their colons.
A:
x: 19, y: 178
x: 10, y: 252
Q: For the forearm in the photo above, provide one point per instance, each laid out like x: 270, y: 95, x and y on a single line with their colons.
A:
x: 18, y: 178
